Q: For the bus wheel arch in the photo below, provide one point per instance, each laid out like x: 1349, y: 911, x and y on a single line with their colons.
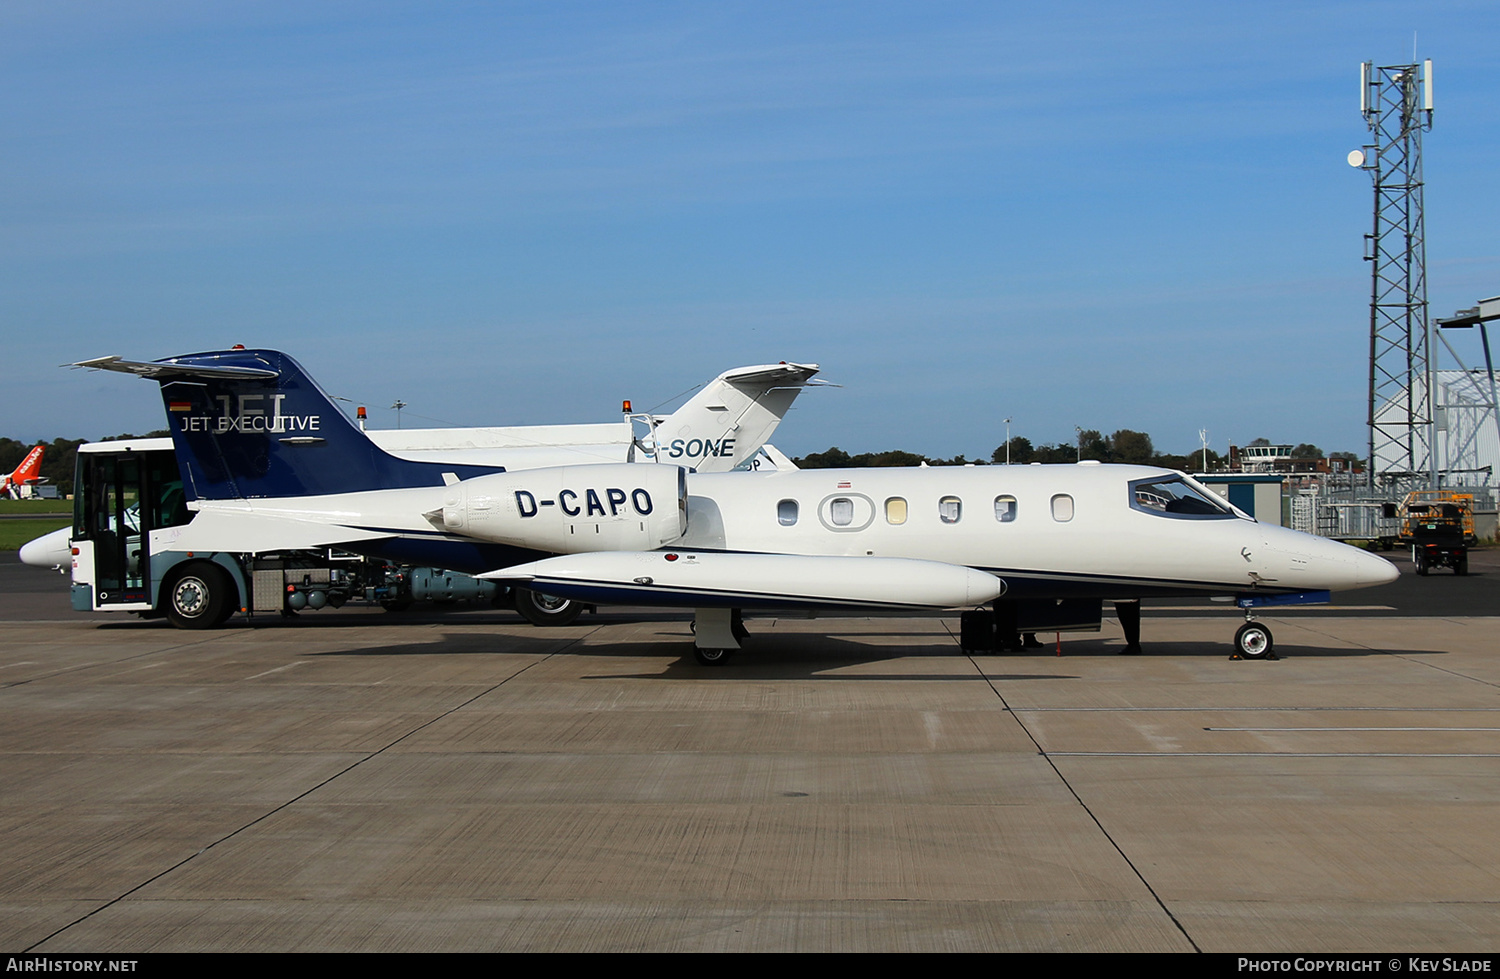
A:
x: 199, y: 595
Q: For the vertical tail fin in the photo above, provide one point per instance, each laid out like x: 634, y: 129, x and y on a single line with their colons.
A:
x: 728, y: 421
x: 251, y: 423
x: 30, y: 467
x: 30, y: 470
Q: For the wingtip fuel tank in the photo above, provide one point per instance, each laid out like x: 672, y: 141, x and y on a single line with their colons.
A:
x: 714, y: 579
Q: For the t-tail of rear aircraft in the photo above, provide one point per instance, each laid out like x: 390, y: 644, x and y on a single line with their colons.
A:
x: 727, y: 422
x: 250, y: 424
x: 28, y: 472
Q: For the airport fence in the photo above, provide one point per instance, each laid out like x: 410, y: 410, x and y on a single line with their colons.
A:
x: 1356, y: 513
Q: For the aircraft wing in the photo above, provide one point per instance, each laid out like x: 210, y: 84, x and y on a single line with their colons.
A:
x: 247, y: 532
x: 714, y: 579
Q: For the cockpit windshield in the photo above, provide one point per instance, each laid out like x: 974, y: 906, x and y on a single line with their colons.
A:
x: 1172, y: 496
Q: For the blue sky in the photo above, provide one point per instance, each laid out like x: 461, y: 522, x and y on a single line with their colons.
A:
x: 1094, y: 214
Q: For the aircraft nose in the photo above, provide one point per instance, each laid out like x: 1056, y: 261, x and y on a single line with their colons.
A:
x: 47, y: 551
x: 1331, y: 564
x: 1370, y: 570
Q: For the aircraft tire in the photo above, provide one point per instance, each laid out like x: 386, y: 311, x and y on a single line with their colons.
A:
x: 1253, y: 641
x: 712, y: 657
x: 198, y: 596
x: 546, y: 610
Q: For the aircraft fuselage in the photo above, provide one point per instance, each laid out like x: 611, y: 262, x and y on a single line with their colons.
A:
x: 1046, y: 531
x: 1071, y: 530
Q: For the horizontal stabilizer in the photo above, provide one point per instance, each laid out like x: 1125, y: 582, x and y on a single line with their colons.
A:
x: 160, y: 371
x: 772, y: 374
x: 712, y: 579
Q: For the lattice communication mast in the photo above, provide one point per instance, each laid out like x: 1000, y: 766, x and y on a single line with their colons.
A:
x: 1396, y: 101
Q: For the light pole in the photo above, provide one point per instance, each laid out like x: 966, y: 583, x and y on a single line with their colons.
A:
x: 1203, y: 437
x: 1080, y: 442
x: 398, y: 406
x: 1007, y: 441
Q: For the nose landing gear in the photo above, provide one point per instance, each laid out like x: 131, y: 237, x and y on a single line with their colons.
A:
x: 1253, y: 641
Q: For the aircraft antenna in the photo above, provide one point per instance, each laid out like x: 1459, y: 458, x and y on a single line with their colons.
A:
x: 1396, y: 102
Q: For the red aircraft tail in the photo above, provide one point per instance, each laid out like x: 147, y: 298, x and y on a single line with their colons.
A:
x: 29, y: 469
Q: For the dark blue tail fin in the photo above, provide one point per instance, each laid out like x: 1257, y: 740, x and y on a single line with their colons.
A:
x: 251, y: 423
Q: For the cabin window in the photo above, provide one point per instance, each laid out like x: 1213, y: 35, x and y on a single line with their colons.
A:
x: 1062, y: 508
x: 846, y: 514
x: 895, y: 510
x: 950, y: 509
x: 786, y: 512
x: 1005, y: 508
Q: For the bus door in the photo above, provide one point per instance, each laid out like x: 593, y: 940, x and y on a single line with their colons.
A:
x: 124, y: 496
x: 109, y: 517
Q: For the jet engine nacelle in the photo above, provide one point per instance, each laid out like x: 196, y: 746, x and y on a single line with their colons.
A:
x: 571, y: 509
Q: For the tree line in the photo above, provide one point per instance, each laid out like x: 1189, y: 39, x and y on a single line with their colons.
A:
x: 1123, y: 446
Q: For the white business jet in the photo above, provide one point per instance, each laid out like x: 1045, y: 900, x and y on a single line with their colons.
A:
x: 1035, y: 540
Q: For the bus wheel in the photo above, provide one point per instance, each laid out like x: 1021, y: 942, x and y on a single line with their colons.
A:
x: 198, y: 597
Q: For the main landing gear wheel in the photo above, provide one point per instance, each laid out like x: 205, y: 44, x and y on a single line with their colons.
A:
x: 546, y: 610
x: 198, y: 597
x: 1253, y: 641
x: 712, y: 657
